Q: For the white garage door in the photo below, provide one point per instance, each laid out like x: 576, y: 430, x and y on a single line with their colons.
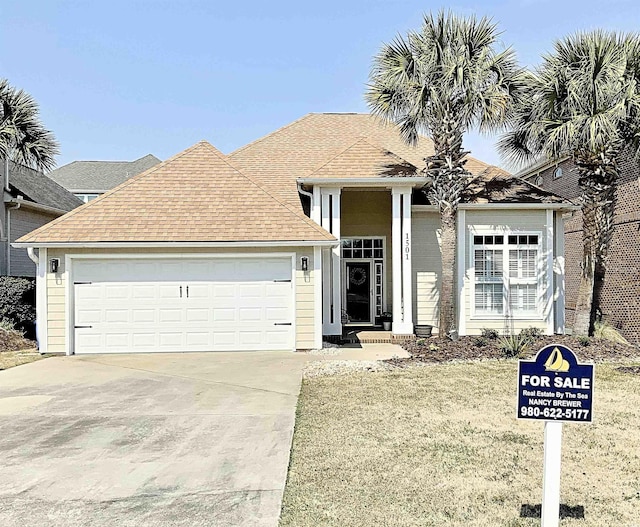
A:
x: 223, y: 304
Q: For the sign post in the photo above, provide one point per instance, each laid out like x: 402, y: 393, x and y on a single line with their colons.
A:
x: 554, y: 388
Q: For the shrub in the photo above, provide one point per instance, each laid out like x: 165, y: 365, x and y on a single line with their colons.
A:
x: 18, y: 303
x: 604, y: 330
x: 514, y: 345
x: 584, y: 341
x: 433, y: 347
x: 531, y: 333
x: 421, y: 342
x: 490, y: 334
x: 480, y: 342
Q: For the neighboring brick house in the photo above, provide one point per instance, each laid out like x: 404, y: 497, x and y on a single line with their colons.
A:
x: 89, y: 179
x: 30, y: 199
x: 620, y: 300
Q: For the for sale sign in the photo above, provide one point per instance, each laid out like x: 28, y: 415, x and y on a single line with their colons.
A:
x: 555, y: 387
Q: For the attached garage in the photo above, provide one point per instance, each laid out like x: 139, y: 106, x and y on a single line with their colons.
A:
x: 191, y: 255
x: 170, y: 304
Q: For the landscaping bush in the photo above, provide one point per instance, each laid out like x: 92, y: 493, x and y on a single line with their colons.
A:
x: 514, y: 345
x: 532, y: 333
x: 490, y: 334
x: 18, y: 303
x: 604, y: 330
x: 480, y: 342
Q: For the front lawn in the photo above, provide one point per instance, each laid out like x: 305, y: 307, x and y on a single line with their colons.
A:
x: 439, y: 445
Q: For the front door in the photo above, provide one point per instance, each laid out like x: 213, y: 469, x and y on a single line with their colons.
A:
x: 358, y: 292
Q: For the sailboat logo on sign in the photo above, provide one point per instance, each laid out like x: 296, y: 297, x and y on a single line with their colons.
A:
x: 556, y: 362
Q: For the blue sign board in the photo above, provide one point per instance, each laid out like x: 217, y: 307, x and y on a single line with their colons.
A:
x: 555, y: 387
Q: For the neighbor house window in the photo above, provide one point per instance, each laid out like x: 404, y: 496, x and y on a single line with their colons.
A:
x: 506, y: 277
x: 557, y: 173
x: 87, y: 197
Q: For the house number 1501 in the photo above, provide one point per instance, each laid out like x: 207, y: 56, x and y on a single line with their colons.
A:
x: 407, y: 246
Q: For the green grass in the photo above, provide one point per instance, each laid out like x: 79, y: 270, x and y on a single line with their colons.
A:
x: 9, y: 359
x: 440, y: 446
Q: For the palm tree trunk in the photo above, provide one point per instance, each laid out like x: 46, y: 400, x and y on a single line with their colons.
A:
x: 597, y: 179
x: 584, y: 302
x: 447, y: 286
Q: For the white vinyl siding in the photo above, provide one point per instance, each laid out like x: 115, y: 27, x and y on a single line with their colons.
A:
x: 426, y: 266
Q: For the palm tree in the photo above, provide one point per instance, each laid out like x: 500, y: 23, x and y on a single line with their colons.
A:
x: 23, y: 138
x: 584, y: 101
x: 443, y: 81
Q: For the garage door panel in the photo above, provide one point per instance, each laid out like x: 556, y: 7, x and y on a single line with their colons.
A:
x: 171, y: 315
x: 197, y: 315
x: 116, y: 316
x: 249, y: 314
x: 226, y: 304
x: 224, y: 314
x: 143, y: 316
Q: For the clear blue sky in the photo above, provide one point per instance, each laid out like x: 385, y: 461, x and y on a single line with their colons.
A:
x: 122, y: 78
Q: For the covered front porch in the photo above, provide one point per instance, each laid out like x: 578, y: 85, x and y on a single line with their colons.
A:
x: 368, y: 278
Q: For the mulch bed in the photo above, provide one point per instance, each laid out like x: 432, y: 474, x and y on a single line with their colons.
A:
x: 465, y: 349
x: 13, y: 341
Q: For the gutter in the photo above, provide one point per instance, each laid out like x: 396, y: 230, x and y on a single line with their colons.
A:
x: 178, y: 245
x: 385, y: 182
x: 36, y: 206
x: 502, y: 206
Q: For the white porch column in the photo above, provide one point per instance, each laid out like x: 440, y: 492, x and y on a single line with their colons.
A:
x: 407, y: 277
x: 401, y: 258
x: 396, y: 255
x: 331, y: 292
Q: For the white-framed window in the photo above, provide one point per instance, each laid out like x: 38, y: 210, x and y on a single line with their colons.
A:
x: 557, y: 173
x: 507, y: 274
x: 87, y: 197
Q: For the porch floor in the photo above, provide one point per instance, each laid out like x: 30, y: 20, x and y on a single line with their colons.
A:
x: 369, y: 335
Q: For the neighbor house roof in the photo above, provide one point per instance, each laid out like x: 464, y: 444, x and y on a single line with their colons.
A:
x: 196, y: 196
x: 100, y: 176
x: 37, y: 188
x: 301, y: 148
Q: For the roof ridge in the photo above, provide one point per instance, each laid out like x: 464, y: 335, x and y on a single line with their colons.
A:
x: 289, y: 208
x: 126, y: 183
x: 284, y: 127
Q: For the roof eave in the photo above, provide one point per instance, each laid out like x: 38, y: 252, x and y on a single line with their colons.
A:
x: 168, y: 245
x: 385, y: 182
x: 36, y: 206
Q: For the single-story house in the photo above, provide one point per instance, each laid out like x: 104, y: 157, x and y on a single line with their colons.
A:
x: 318, y: 226
x: 30, y: 199
x: 89, y: 179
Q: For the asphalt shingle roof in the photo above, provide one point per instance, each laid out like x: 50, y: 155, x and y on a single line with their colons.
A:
x: 197, y: 195
x: 36, y: 187
x: 297, y: 150
x: 100, y: 176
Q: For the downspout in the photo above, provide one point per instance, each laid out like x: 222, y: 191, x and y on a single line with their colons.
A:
x: 304, y: 192
x: 10, y: 206
x: 33, y: 256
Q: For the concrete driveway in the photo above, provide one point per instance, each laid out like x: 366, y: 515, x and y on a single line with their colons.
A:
x: 153, y: 440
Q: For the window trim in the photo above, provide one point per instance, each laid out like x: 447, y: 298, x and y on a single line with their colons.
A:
x: 538, y: 314
x: 557, y: 172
